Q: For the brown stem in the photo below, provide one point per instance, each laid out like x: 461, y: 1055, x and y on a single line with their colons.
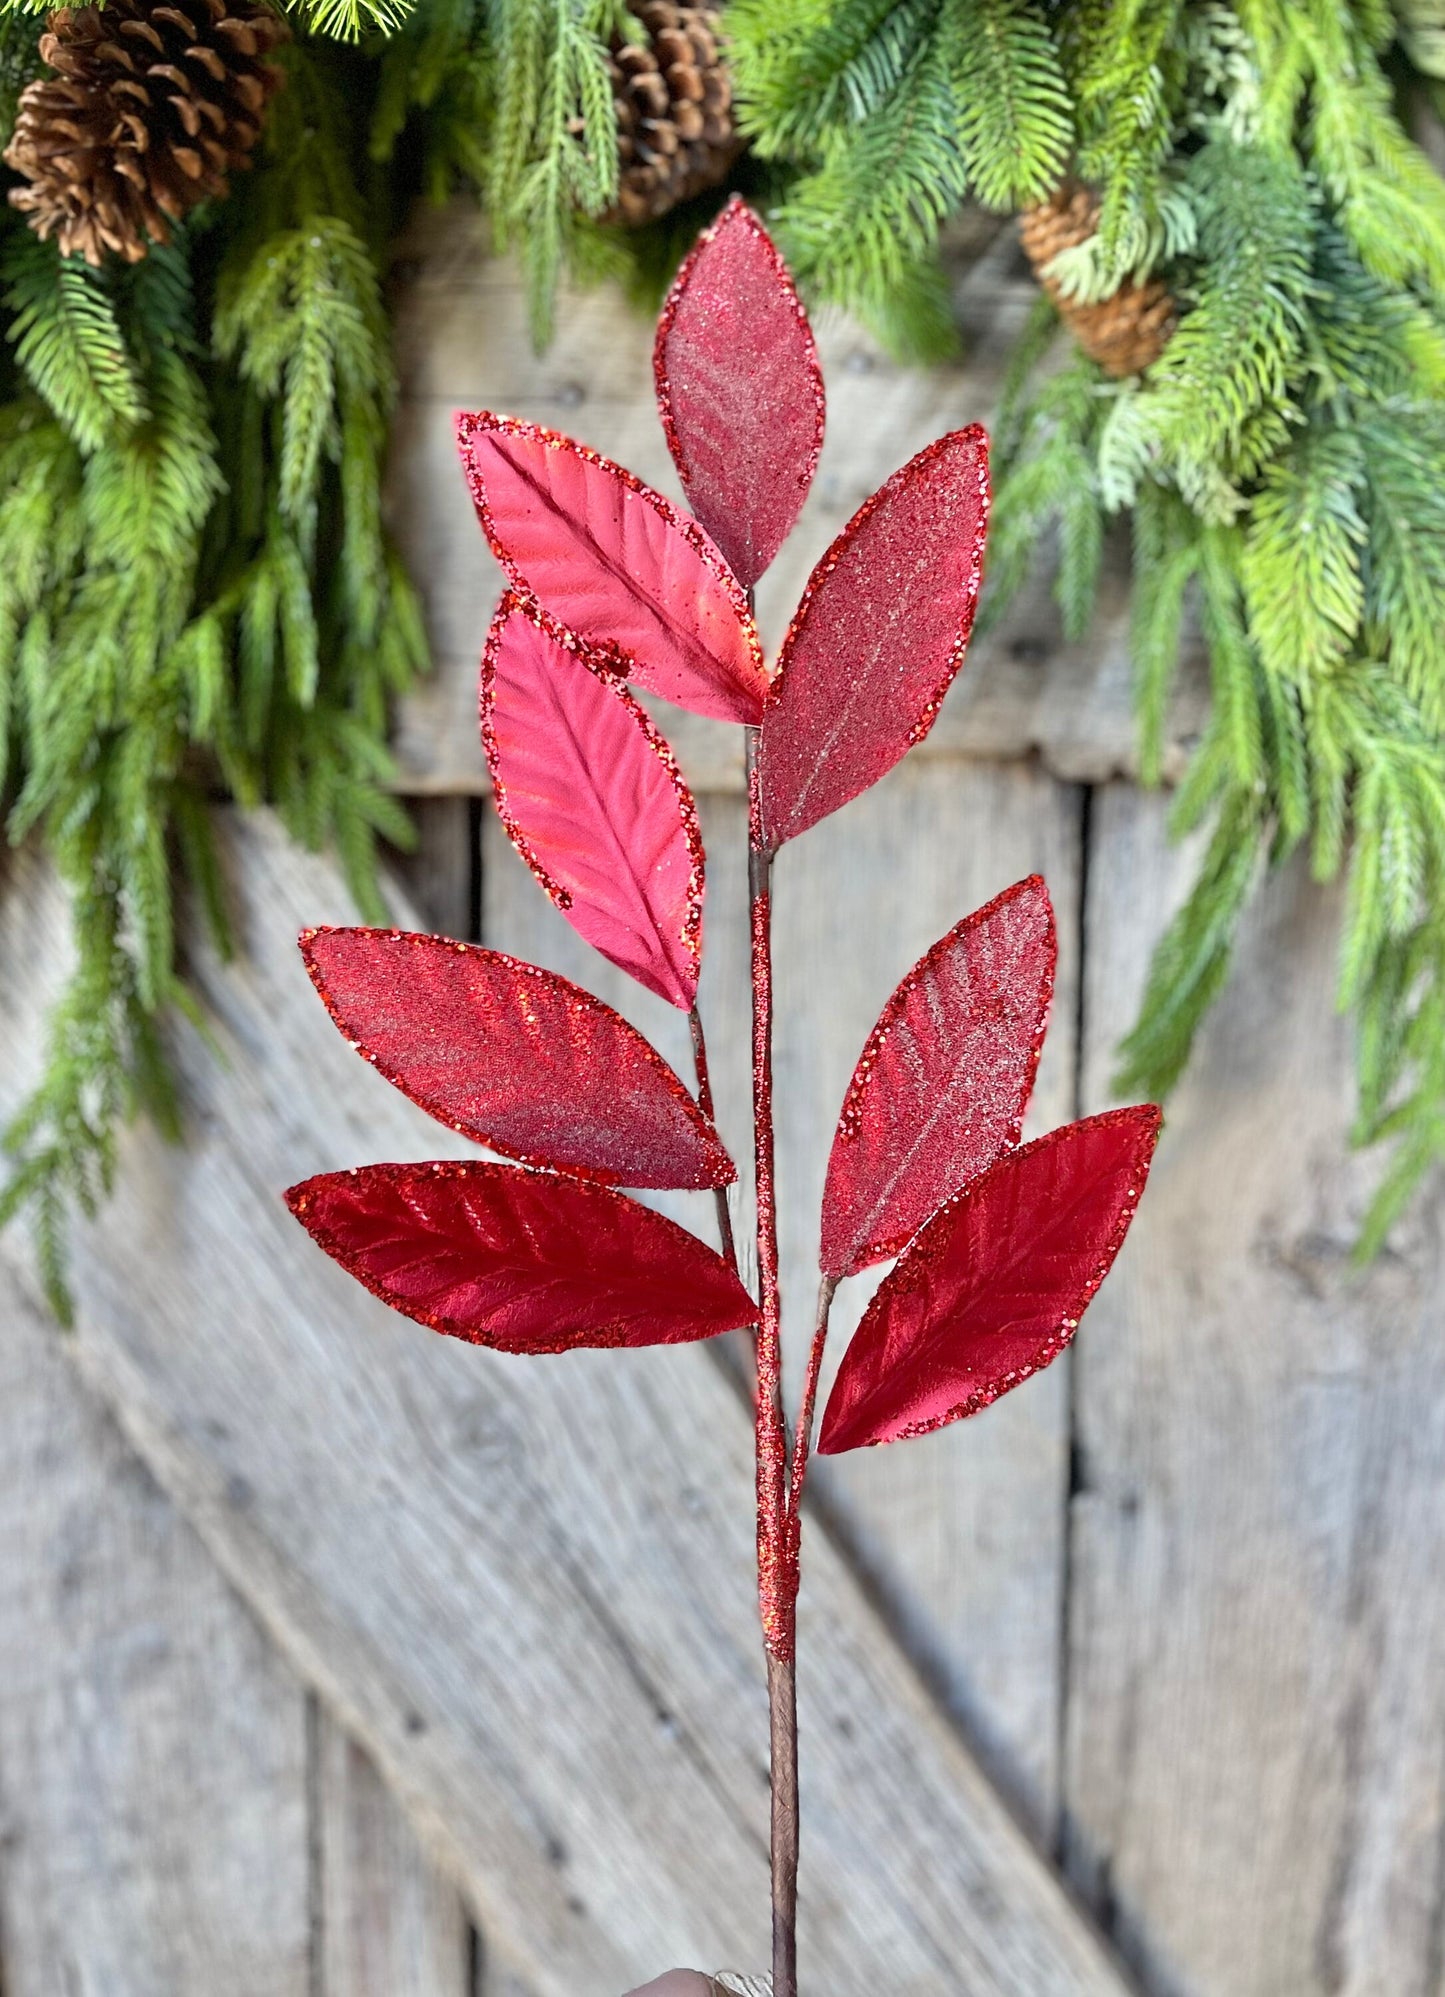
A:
x: 704, y: 1103
x: 777, y: 1572
x: 783, y: 1732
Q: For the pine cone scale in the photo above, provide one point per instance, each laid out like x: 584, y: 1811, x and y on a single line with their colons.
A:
x: 148, y: 110
x: 675, y: 133
x: 1126, y: 332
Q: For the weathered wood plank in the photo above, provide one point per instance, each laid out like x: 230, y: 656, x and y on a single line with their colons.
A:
x: 525, y: 1586
x: 390, y: 1924
x: 1256, y: 1740
x: 463, y: 343
x: 152, y: 1744
x: 962, y: 1533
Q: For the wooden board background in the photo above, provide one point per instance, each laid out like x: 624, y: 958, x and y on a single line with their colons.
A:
x: 342, y: 1661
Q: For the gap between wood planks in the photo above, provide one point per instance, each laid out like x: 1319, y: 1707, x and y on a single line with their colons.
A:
x: 1075, y: 1462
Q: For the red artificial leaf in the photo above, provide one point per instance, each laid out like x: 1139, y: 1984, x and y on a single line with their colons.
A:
x: 877, y: 638
x: 594, y: 802
x: 521, y: 1261
x: 609, y: 558
x: 993, y: 1287
x: 943, y: 1080
x: 740, y: 390
x: 523, y: 1061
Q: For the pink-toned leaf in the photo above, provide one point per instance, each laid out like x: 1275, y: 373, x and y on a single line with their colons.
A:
x: 993, y: 1287
x: 515, y: 1057
x: 739, y: 390
x: 609, y: 558
x: 522, y: 1261
x: 877, y: 638
x: 943, y: 1080
x: 594, y: 802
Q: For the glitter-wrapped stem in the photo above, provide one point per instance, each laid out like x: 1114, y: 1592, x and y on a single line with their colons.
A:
x: 803, y: 1436
x: 774, y: 1595
x: 777, y: 1573
x: 704, y: 1103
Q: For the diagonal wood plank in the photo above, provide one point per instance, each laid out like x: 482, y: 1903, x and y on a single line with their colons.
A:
x: 152, y: 1744
x: 1255, y: 1781
x: 525, y: 1586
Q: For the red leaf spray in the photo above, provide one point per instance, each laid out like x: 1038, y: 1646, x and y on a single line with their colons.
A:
x: 1000, y: 1248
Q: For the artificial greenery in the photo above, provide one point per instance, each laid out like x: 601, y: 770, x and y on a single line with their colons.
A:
x: 196, y: 592
x: 198, y: 598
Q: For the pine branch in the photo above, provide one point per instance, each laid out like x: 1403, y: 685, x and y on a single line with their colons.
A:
x: 866, y: 223
x: 554, y: 150
x: 68, y: 340
x: 807, y: 72
x: 1014, y: 114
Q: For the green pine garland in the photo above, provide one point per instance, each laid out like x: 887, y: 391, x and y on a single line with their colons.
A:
x: 197, y: 596
x: 196, y: 593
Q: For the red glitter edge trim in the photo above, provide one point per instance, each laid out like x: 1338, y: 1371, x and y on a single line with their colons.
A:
x: 597, y: 662
x: 881, y: 1248
x: 737, y: 210
x: 975, y: 435
x: 476, y: 1168
x: 560, y: 987
x: 1149, y: 1119
x: 471, y: 423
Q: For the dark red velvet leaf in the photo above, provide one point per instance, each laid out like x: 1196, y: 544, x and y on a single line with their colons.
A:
x: 515, y: 1057
x: 739, y: 390
x: 993, y: 1287
x: 522, y: 1261
x: 611, y: 560
x: 877, y: 638
x: 943, y: 1080
x: 594, y: 802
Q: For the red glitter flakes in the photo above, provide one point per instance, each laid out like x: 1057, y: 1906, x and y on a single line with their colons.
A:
x: 611, y: 560
x: 739, y: 390
x: 994, y: 1286
x: 522, y: 1261
x: 878, y: 637
x: 514, y: 1057
x: 943, y: 1080
x: 593, y: 800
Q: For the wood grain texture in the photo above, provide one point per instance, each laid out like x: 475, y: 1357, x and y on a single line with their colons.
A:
x: 152, y: 1744
x: 962, y: 1535
x: 526, y: 1587
x: 1255, y: 1782
x: 463, y: 342
x: 390, y: 1924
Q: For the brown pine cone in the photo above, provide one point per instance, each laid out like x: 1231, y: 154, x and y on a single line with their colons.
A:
x: 149, y: 111
x: 675, y: 133
x: 1124, y: 333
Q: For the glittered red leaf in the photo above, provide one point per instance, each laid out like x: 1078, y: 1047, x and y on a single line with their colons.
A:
x: 610, y: 558
x: 595, y: 803
x: 993, y: 1287
x: 877, y: 638
x: 740, y: 390
x: 523, y: 1061
x: 943, y: 1080
x: 522, y: 1261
